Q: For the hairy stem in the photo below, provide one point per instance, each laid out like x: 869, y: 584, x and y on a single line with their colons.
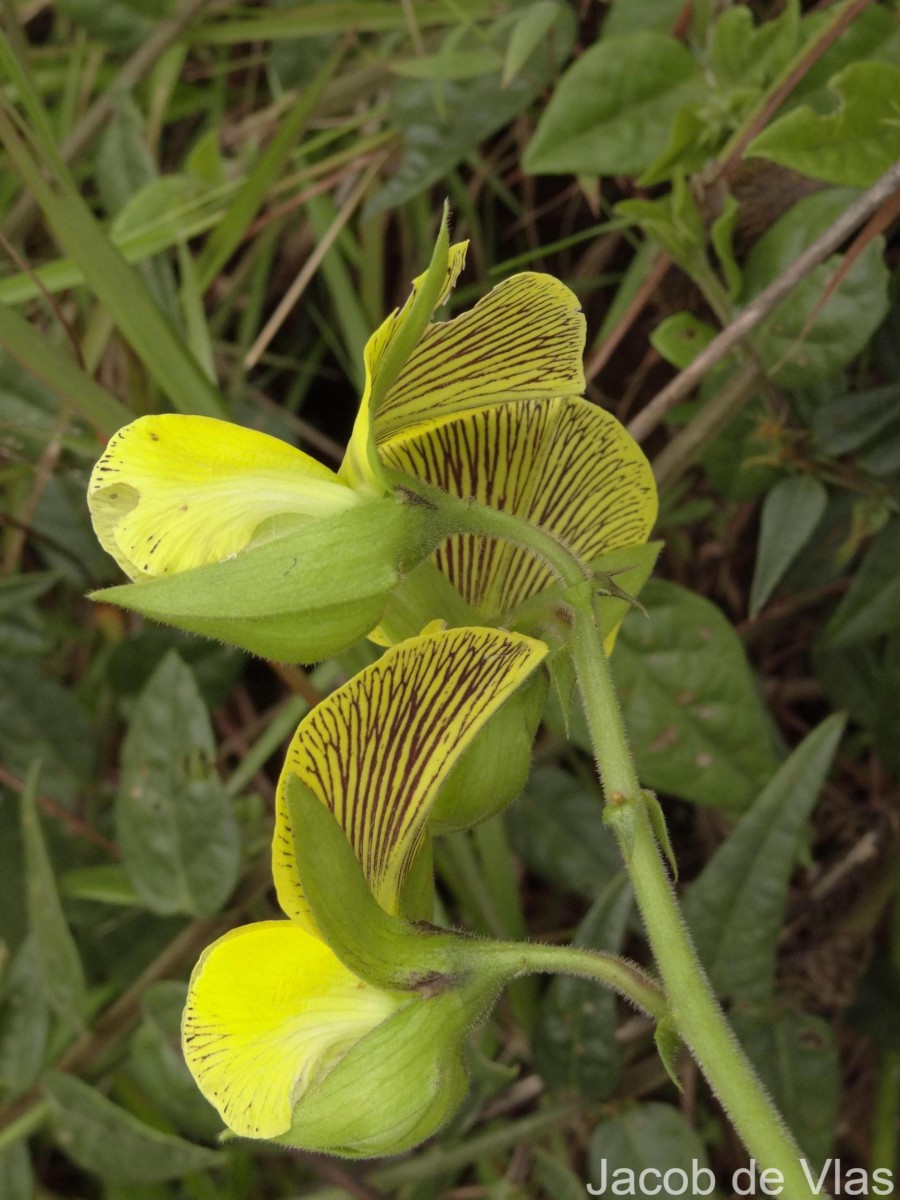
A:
x: 694, y: 1008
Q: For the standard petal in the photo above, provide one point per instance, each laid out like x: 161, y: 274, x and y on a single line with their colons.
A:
x: 523, y: 340
x: 173, y: 492
x: 377, y: 750
x: 562, y: 464
x: 270, y: 1011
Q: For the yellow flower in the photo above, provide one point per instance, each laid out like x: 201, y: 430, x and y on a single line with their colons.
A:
x: 485, y: 406
x: 281, y: 1036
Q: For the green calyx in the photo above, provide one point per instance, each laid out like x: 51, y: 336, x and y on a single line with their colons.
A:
x: 298, y: 597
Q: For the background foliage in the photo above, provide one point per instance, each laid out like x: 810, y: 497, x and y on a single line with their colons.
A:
x: 209, y: 207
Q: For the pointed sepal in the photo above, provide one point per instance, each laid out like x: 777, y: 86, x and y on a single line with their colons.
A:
x: 299, y: 597
x: 384, y: 950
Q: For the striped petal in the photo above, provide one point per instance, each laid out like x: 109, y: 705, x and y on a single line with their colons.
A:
x: 173, y: 492
x: 377, y: 750
x: 270, y: 1011
x: 562, y: 464
x: 355, y: 469
x: 523, y: 340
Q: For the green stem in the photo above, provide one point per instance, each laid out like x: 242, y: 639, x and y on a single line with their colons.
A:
x: 694, y: 1008
x: 692, y: 1005
x: 468, y: 516
x: 514, y: 959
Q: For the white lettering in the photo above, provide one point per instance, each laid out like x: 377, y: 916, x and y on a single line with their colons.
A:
x: 601, y: 1190
x: 771, y: 1181
x: 750, y: 1172
x: 856, y: 1183
x: 644, y: 1186
x: 708, y: 1176
x: 623, y: 1182
x: 817, y: 1184
x: 670, y: 1186
x: 882, y: 1184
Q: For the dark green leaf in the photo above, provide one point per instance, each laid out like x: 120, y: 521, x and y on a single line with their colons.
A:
x: 41, y: 719
x: 156, y: 1064
x: 650, y: 1137
x: 442, y: 121
x: 555, y: 826
x: 856, y: 421
x: 611, y: 110
x: 797, y: 1059
x: 735, y: 908
x: 531, y: 27
x: 804, y: 340
x: 174, y: 819
x: 63, y: 976
x: 698, y: 728
x: 575, y: 1041
x: 872, y: 603
x: 790, y: 513
x: 23, y: 1022
x: 106, y: 1140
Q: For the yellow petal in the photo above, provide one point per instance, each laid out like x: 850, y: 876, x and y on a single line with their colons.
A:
x: 174, y: 492
x: 377, y: 750
x: 523, y: 340
x: 562, y: 464
x: 270, y: 1011
x: 355, y: 469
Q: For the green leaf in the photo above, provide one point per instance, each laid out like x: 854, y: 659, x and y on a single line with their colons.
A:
x: 611, y: 111
x: 721, y: 234
x: 855, y: 144
x: 735, y: 908
x: 156, y: 1064
x: 797, y: 1059
x: 34, y: 351
x: 555, y: 827
x: 24, y: 1022
x: 108, y: 884
x: 698, y: 728
x: 16, y: 1181
x: 804, y: 340
x: 680, y: 338
x: 864, y: 679
x: 56, y: 950
x: 335, y: 16
x: 872, y: 603
x: 299, y: 598
x: 174, y: 818
x: 790, y: 513
x: 575, y: 1041
x: 441, y: 122
x: 105, y: 1140
x: 118, y: 286
x: 250, y: 197
x: 653, y: 1137
x: 741, y: 53
x: 858, y: 422
x: 534, y: 23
